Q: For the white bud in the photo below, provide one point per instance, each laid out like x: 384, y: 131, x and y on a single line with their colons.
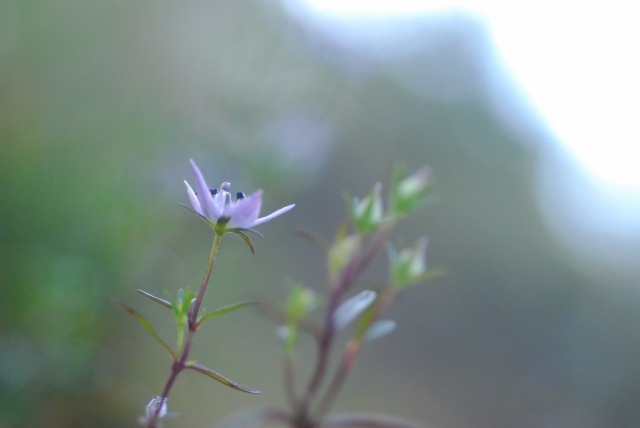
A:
x: 152, y: 408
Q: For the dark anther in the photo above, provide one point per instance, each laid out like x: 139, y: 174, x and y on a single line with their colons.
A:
x: 239, y: 195
x: 213, y: 191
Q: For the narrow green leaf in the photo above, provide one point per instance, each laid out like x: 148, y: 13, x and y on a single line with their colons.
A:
x: 147, y: 326
x: 220, y: 378
x: 246, y: 239
x: 314, y: 238
x: 206, y: 220
x: 226, y: 310
x: 163, y: 302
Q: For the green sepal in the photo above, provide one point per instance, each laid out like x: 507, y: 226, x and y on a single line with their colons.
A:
x: 150, y: 296
x: 147, y: 326
x: 226, y: 309
x: 220, y: 378
x: 432, y: 272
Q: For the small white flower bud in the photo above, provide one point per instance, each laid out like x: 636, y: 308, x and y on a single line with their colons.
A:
x: 152, y: 408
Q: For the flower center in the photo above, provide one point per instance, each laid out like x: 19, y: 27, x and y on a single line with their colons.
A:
x: 226, y: 195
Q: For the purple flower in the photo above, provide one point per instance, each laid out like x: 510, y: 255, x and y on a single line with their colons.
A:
x: 221, y: 211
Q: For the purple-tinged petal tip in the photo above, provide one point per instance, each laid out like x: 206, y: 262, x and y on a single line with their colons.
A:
x: 195, y: 204
x: 273, y: 215
x: 244, y: 212
x: 207, y: 204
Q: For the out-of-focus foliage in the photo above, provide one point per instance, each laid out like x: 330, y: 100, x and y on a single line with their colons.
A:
x: 101, y: 106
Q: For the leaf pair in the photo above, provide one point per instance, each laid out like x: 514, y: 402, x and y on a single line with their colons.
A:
x: 202, y: 318
x: 181, y: 310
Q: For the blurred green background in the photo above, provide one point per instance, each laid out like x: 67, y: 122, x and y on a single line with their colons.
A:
x: 101, y: 106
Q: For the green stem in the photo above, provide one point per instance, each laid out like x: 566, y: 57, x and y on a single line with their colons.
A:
x: 193, y: 315
x: 180, y: 364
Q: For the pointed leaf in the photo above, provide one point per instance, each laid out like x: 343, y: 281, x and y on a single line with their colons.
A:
x: 220, y: 378
x: 147, y: 326
x: 314, y: 238
x: 206, y: 220
x: 351, y: 308
x: 246, y: 239
x: 163, y: 302
x: 227, y: 309
x: 378, y: 329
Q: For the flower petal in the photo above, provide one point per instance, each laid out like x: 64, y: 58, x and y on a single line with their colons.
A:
x: 272, y: 215
x: 193, y: 199
x: 243, y: 213
x: 207, y: 204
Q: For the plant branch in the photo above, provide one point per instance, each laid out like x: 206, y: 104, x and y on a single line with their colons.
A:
x: 181, y: 363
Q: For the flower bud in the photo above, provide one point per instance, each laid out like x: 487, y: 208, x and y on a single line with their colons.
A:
x: 407, y: 194
x: 301, y: 302
x: 410, y: 265
x: 157, y: 408
x: 367, y: 213
x: 342, y: 253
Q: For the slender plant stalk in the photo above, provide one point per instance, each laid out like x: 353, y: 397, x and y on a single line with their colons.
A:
x: 180, y: 364
x: 338, y: 379
x: 289, y: 381
x: 205, y: 281
x: 325, y: 339
x: 352, y: 349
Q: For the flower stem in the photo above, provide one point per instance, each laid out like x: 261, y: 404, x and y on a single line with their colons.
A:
x: 193, y: 316
x: 180, y: 364
x: 338, y: 379
x: 326, y: 339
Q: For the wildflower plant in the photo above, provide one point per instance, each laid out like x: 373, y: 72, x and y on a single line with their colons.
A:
x: 348, y: 310
x: 224, y: 214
